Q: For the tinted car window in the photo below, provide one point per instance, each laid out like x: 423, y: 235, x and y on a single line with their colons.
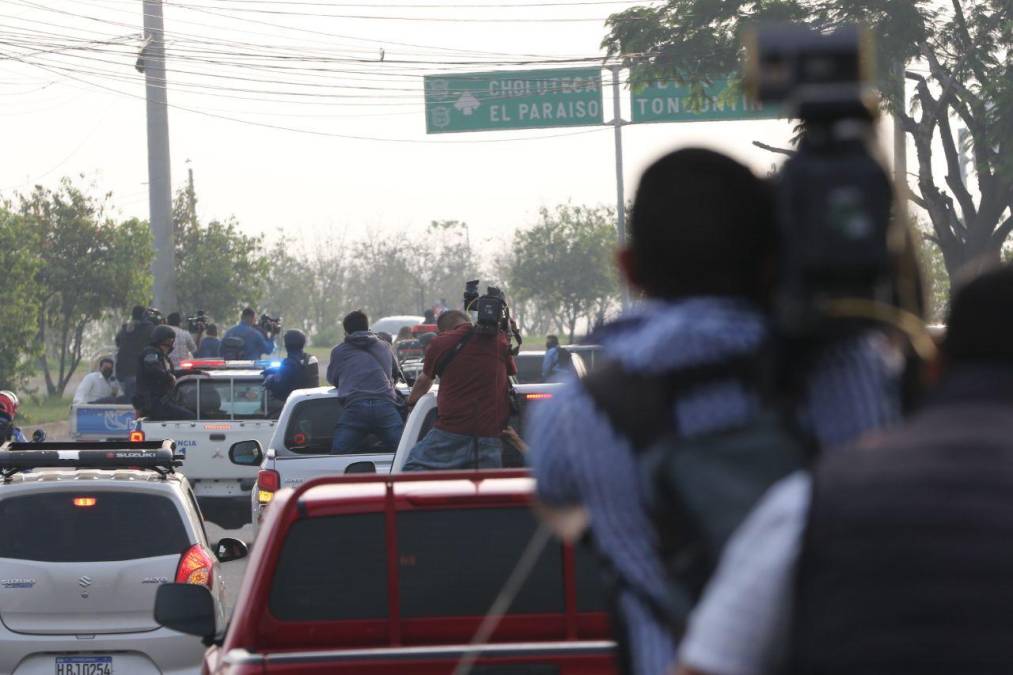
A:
x: 529, y: 368
x: 332, y: 568
x: 311, y: 427
x: 49, y: 527
x: 454, y: 563
x: 225, y: 399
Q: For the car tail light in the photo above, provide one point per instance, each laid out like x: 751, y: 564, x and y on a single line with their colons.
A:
x: 537, y: 397
x: 136, y: 436
x: 195, y: 567
x: 85, y: 501
x: 268, y: 482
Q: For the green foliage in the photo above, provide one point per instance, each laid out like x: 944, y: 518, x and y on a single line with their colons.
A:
x: 407, y: 275
x: 564, y: 265
x: 92, y: 268
x: 966, y: 46
x: 19, y: 310
x: 218, y: 268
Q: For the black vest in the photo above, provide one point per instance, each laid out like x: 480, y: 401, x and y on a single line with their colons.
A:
x: 907, y: 562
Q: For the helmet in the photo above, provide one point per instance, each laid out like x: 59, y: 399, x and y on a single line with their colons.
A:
x: 295, y: 340
x: 161, y: 334
x: 8, y: 403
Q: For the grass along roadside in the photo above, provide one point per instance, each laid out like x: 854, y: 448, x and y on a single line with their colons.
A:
x: 43, y: 410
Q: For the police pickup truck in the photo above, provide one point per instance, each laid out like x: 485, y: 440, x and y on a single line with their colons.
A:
x: 230, y: 405
x: 300, y: 447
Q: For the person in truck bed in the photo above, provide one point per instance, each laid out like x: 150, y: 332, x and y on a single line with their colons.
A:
x: 364, y: 371
x: 299, y: 370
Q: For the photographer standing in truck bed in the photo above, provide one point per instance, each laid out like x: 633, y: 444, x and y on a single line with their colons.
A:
x: 473, y: 400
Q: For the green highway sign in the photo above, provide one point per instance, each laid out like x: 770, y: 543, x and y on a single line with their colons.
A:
x: 671, y: 102
x: 520, y: 99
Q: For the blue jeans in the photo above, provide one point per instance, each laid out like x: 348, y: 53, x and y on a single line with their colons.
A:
x: 363, y: 417
x: 442, y: 450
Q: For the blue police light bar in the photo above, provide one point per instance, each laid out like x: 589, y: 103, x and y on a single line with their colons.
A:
x: 265, y: 364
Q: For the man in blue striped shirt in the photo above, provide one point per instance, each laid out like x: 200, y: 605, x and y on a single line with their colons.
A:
x: 702, y: 249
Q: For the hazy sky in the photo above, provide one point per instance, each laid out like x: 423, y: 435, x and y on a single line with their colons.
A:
x: 68, y: 112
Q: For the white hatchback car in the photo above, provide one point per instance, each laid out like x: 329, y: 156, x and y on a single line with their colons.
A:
x: 91, y: 530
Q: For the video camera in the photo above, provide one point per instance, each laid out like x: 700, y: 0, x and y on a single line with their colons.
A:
x: 154, y: 316
x: 197, y: 324
x: 833, y: 198
x: 492, y: 314
x: 270, y: 325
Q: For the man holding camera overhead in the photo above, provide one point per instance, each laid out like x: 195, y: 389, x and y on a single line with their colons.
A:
x: 474, y: 367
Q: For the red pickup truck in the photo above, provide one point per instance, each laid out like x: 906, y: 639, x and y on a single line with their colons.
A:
x: 394, y: 573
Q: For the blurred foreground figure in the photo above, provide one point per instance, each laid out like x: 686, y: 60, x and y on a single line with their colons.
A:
x: 895, y: 555
x: 703, y: 252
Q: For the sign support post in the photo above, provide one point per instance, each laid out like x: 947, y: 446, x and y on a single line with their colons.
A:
x: 617, y: 126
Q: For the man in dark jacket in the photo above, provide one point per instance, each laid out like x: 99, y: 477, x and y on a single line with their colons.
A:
x: 894, y: 555
x: 131, y: 340
x: 155, y: 381
x: 364, y: 371
x: 299, y: 370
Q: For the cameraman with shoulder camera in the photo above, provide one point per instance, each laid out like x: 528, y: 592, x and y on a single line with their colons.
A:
x: 703, y: 250
x: 474, y: 367
x: 257, y: 339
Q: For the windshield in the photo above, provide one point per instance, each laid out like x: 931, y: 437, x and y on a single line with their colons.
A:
x: 226, y: 399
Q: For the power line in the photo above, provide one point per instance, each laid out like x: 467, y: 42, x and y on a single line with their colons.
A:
x: 314, y: 132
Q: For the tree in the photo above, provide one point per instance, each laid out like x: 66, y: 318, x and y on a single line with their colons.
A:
x: 20, y: 261
x: 91, y: 268
x: 563, y: 264
x: 219, y: 269
x: 440, y: 262
x: 965, y: 45
x: 288, y: 288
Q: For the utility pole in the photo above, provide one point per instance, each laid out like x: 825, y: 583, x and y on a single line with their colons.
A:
x: 617, y: 125
x: 159, y: 179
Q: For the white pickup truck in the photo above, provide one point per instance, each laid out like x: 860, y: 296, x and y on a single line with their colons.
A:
x: 300, y: 447
x: 231, y: 405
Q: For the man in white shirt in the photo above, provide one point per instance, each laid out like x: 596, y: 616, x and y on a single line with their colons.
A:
x: 100, y: 386
x: 185, y: 346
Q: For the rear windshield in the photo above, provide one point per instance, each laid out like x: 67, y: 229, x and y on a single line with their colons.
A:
x: 332, y: 568
x: 451, y: 566
x: 100, y: 526
x: 226, y: 399
x: 311, y: 428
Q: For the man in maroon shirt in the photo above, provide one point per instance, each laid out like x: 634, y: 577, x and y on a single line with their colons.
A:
x: 473, y: 400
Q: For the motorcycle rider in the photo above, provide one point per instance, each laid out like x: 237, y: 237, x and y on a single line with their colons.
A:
x: 298, y: 370
x: 155, y: 381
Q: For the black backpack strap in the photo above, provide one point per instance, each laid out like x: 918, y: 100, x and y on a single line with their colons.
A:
x: 452, y: 353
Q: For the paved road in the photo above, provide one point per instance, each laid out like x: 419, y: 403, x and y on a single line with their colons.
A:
x: 232, y: 571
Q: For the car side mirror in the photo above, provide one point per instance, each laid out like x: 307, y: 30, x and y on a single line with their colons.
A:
x: 187, y: 608
x: 39, y: 436
x: 361, y: 467
x: 228, y: 549
x: 246, y: 453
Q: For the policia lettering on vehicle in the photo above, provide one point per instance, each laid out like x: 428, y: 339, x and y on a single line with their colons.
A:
x: 155, y: 381
x: 298, y: 370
